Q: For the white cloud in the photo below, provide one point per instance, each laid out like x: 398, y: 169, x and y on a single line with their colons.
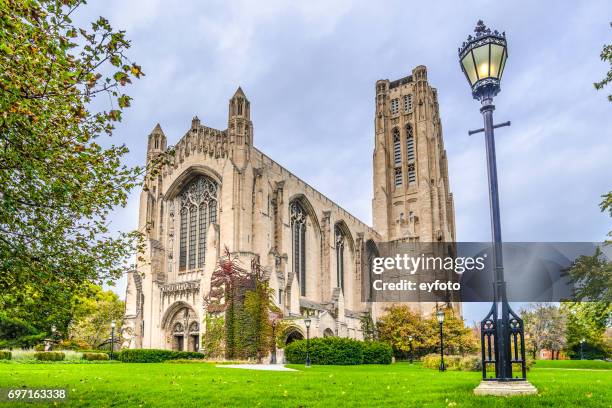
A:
x: 309, y: 69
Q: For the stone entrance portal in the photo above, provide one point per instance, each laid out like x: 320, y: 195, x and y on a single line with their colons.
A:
x: 293, y: 334
x: 182, y: 328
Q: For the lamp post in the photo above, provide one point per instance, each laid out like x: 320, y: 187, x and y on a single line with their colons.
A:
x: 581, y: 348
x: 307, y: 324
x: 273, y: 353
x: 483, y: 59
x: 440, y: 316
x: 112, y: 354
x: 52, y: 339
x: 410, y: 342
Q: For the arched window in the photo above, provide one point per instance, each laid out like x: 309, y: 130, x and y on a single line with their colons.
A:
x: 410, y: 152
x: 339, y: 257
x: 408, y: 103
x: 198, y: 209
x: 397, y: 157
x: 397, y: 149
x: 298, y: 242
x: 371, y: 253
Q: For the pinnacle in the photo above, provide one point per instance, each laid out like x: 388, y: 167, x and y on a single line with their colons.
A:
x: 239, y: 92
x: 157, y: 129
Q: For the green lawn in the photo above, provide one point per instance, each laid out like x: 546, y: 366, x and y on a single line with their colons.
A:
x: 198, y: 384
x: 575, y: 364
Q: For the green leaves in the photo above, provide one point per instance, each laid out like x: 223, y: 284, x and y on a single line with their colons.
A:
x: 58, y: 184
x: 124, y: 101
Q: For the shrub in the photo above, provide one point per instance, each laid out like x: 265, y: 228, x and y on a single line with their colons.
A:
x: 470, y: 363
x: 95, y: 356
x: 96, y: 351
x: 450, y: 362
x: 326, y: 351
x: 5, y: 355
x: 376, y: 352
x: 50, y: 356
x: 467, y: 363
x: 156, y: 356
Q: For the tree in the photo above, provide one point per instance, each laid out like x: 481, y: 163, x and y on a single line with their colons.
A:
x: 458, y: 339
x: 57, y: 181
x: 592, y: 277
x: 368, y: 327
x: 400, y: 321
x: 606, y: 56
x: 95, y: 310
x: 588, y: 321
x: 544, y: 328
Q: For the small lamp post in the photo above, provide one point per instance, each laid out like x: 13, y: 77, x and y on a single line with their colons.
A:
x: 273, y: 353
x: 307, y: 324
x: 581, y: 348
x: 440, y: 316
x: 112, y: 354
x: 410, y: 343
x: 52, y: 339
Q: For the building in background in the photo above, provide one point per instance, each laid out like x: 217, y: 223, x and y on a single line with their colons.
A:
x: 221, y: 191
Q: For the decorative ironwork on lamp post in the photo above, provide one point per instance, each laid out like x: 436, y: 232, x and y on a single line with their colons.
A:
x: 307, y: 324
x: 483, y: 59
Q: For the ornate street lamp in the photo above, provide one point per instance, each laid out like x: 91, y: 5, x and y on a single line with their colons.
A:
x: 483, y: 59
x: 581, y: 348
x: 410, y: 342
x: 307, y: 324
x: 440, y: 316
x: 112, y: 354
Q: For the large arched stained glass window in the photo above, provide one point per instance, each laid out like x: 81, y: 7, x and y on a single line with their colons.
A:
x: 298, y: 243
x: 198, y: 209
x: 339, y: 257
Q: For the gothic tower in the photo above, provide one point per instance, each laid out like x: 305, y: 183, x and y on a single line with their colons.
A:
x: 240, y: 128
x: 412, y: 199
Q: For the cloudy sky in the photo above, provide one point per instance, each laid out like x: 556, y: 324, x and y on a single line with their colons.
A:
x: 309, y: 69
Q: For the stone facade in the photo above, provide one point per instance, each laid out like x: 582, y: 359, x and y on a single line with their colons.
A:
x: 221, y: 191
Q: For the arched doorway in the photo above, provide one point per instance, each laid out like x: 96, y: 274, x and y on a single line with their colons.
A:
x: 328, y: 333
x: 182, y: 329
x: 293, y: 334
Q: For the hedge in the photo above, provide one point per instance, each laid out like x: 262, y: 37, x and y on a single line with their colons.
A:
x: 49, y: 356
x: 339, y: 351
x: 95, y: 356
x: 465, y: 363
x: 326, y: 351
x: 96, y: 351
x: 155, y: 355
x: 376, y: 352
x: 5, y: 355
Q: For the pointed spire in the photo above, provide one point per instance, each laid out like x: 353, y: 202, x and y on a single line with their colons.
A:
x: 239, y: 92
x: 157, y: 130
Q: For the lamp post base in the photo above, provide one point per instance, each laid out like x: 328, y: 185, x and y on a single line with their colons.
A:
x: 505, y: 388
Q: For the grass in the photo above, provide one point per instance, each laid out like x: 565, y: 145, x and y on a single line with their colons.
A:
x: 575, y: 364
x: 191, y: 385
